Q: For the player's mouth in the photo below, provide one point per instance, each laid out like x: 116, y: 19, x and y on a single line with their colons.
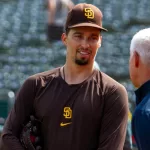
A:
x: 84, y: 53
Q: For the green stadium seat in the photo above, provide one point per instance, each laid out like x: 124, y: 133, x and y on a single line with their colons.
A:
x: 6, y: 103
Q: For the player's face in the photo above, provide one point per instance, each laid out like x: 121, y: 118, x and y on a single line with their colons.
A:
x: 82, y: 44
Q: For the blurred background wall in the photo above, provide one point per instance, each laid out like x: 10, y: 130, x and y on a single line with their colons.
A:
x: 25, y: 50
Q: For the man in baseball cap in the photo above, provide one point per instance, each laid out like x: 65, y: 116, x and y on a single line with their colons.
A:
x: 100, y: 118
x: 81, y: 108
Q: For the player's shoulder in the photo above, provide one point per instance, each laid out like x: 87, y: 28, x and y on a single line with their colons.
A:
x: 107, y: 81
x: 46, y: 75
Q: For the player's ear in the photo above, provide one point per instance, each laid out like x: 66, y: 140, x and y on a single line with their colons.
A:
x: 64, y: 38
x: 100, y: 41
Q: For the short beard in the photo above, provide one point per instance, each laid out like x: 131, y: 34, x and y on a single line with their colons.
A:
x: 81, y: 62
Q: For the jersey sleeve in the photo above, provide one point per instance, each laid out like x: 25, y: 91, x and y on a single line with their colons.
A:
x: 114, y: 121
x: 22, y: 108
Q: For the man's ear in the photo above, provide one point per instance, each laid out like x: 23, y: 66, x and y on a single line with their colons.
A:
x: 64, y: 38
x: 100, y: 41
x: 137, y: 59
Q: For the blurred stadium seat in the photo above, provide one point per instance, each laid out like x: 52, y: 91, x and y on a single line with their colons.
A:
x: 6, y: 103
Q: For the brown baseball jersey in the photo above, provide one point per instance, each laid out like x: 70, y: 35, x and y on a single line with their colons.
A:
x: 91, y: 115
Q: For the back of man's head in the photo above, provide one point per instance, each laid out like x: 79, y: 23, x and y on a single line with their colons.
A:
x: 140, y: 43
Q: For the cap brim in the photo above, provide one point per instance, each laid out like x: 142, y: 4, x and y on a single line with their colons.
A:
x: 87, y: 25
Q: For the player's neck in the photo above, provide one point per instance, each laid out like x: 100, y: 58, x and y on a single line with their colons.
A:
x: 76, y: 75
